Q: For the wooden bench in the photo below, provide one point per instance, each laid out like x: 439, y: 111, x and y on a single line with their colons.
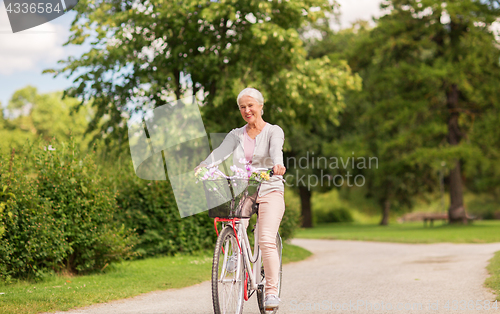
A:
x: 431, y: 217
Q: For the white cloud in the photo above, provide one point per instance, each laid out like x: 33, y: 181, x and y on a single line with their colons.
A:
x: 353, y: 10
x: 30, y: 49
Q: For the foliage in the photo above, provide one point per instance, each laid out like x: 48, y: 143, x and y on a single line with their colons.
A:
x: 220, y: 46
x: 32, y: 241
x: 211, y: 49
x: 290, y: 222
x: 60, y: 215
x: 483, y: 205
x: 32, y: 116
x: 430, y: 71
x: 340, y: 214
x: 149, y: 208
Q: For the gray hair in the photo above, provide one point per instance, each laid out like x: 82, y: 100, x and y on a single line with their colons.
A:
x: 252, y: 92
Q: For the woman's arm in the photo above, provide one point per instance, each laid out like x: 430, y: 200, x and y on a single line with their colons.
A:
x: 276, y: 150
x: 221, y: 153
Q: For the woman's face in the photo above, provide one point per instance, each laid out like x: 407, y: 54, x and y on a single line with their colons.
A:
x: 250, y: 109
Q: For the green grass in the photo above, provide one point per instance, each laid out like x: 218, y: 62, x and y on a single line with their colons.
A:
x: 367, y: 211
x: 123, y: 280
x: 478, y: 232
x: 493, y: 282
x: 293, y: 253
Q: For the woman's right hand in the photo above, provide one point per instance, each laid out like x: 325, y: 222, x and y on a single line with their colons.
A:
x: 279, y: 170
x: 199, y: 166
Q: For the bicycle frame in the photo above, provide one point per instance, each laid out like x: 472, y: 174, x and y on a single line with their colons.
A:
x: 253, y: 280
x: 245, y: 249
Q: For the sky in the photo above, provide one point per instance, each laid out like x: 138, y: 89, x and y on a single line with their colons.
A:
x: 24, y: 55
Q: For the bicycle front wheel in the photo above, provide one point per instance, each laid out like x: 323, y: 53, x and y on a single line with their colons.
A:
x: 227, y: 274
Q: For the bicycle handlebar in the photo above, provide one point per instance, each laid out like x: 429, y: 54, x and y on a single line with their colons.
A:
x: 258, y: 169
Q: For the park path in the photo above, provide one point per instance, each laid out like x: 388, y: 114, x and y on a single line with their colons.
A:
x: 363, y: 277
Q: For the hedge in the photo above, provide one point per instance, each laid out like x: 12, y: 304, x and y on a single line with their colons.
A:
x: 57, y: 214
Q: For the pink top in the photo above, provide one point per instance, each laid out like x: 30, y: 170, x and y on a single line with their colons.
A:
x: 249, y: 146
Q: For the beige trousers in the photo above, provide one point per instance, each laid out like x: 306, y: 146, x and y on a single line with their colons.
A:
x: 271, y: 210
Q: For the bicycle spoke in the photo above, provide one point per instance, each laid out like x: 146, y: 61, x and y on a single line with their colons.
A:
x: 224, y: 263
x: 227, y: 285
x: 229, y: 297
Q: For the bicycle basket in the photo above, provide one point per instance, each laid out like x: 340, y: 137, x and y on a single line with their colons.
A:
x: 231, y: 198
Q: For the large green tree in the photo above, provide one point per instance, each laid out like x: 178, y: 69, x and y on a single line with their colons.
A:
x: 430, y: 73
x: 145, y: 51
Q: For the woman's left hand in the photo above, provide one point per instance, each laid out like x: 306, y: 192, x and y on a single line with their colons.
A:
x: 279, y: 170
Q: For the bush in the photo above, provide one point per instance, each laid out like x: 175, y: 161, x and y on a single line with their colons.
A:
x: 339, y: 214
x: 58, y: 215
x: 483, y: 205
x: 84, y: 206
x: 150, y: 209
x: 32, y: 240
x: 291, y: 219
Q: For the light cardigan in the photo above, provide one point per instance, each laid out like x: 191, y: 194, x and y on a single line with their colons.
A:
x: 268, y: 152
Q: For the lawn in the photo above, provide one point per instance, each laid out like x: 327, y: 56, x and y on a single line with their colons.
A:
x: 123, y: 280
x: 493, y: 282
x: 478, y: 232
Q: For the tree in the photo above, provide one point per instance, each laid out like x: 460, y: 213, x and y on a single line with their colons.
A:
x: 147, y: 50
x: 460, y: 55
x: 429, y: 70
x: 31, y: 115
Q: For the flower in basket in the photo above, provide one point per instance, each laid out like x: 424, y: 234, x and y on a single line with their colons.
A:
x: 265, y: 176
x: 207, y: 174
x: 238, y: 172
x: 251, y: 172
x: 200, y: 173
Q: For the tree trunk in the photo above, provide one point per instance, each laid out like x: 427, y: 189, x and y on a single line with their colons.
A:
x: 177, y: 77
x: 456, y: 212
x: 385, y: 213
x: 305, y: 201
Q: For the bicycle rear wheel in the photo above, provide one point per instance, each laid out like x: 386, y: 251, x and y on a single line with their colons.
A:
x: 261, y: 291
x: 227, y: 274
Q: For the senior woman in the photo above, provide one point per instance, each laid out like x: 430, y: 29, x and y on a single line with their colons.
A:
x: 261, y: 144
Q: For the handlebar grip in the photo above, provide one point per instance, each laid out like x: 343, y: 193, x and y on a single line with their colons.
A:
x: 271, y: 173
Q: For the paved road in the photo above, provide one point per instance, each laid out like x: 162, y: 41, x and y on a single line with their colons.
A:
x: 363, y: 277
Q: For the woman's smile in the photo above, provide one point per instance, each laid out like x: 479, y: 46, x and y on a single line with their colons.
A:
x: 250, y: 109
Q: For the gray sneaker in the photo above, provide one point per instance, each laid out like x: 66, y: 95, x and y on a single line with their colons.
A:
x: 271, y: 302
